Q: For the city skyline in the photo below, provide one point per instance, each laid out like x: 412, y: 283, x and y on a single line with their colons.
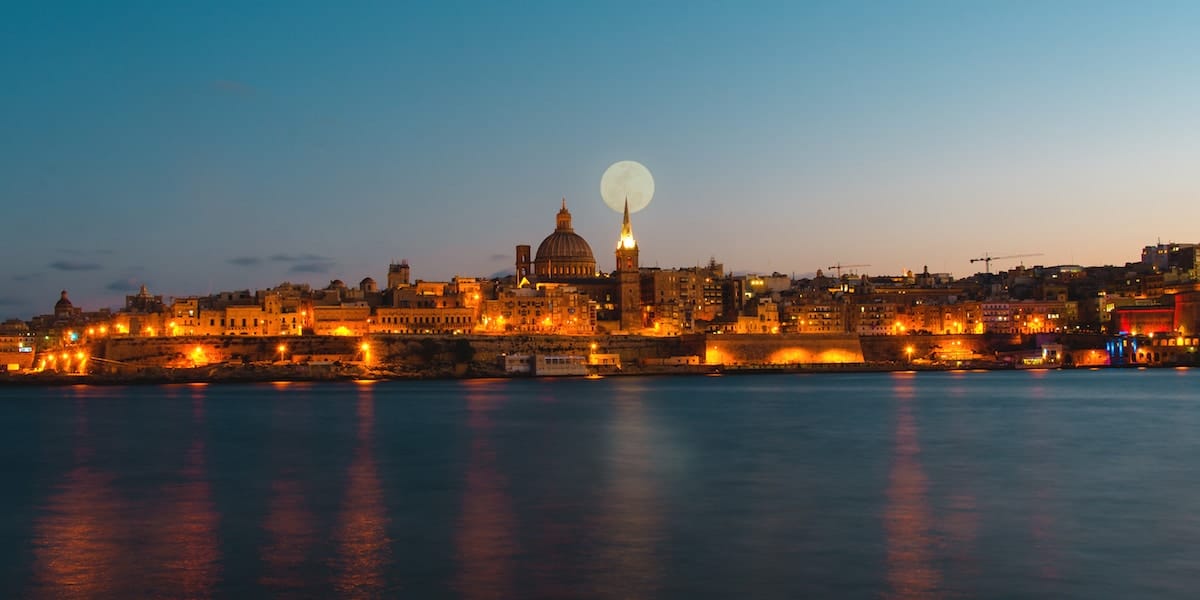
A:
x: 203, y: 149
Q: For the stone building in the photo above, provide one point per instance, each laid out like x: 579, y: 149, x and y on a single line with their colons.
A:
x: 564, y: 253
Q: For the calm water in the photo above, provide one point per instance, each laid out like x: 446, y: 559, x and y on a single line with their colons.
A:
x: 933, y: 485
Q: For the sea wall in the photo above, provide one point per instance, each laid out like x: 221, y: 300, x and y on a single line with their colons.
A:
x: 741, y: 349
x: 405, y: 354
x: 481, y: 354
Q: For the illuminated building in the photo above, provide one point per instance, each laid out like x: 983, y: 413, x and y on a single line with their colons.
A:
x: 547, y: 309
x: 398, y: 274
x: 565, y: 258
x: 628, y: 277
x: 564, y: 253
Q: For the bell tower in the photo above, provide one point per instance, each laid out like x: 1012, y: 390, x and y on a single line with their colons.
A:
x: 628, y: 277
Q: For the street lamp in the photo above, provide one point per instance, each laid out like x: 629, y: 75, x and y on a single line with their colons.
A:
x: 908, y: 351
x: 282, y: 348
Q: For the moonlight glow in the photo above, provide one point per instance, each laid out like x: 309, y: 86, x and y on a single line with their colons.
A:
x: 627, y: 179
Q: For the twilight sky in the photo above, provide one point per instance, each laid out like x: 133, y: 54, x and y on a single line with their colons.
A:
x: 199, y: 147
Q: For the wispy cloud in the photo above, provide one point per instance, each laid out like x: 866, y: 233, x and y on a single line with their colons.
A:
x: 311, y: 267
x: 11, y: 301
x: 245, y: 261
x: 498, y: 256
x: 298, y: 258
x: 73, y: 265
x: 124, y: 285
x: 28, y: 276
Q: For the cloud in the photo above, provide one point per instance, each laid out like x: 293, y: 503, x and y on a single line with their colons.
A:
x: 232, y: 87
x: 28, y: 276
x: 244, y: 261
x: 11, y: 301
x: 124, y: 285
x: 298, y: 258
x: 311, y: 267
x: 72, y: 265
x: 499, y: 256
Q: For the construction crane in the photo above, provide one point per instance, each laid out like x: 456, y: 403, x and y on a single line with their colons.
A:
x: 838, y: 267
x: 987, y: 260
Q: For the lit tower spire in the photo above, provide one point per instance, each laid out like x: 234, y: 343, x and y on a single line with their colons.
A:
x: 627, y: 240
x: 629, y: 277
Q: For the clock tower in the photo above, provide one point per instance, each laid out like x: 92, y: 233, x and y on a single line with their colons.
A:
x: 628, y: 277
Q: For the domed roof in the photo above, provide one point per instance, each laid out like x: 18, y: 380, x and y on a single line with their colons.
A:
x: 367, y: 280
x: 564, y: 244
x: 63, y: 302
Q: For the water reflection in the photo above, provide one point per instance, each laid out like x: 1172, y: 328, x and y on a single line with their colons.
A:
x: 186, y: 546
x: 485, y: 530
x: 961, y: 521
x: 1041, y: 519
x: 91, y: 541
x: 910, y: 543
x: 80, y: 546
x: 630, y: 525
x: 289, y: 522
x: 360, y: 539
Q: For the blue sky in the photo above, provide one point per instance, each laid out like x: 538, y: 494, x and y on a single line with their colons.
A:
x: 198, y: 147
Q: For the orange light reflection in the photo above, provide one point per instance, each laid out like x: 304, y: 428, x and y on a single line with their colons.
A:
x: 360, y: 538
x: 485, y: 529
x: 911, y: 573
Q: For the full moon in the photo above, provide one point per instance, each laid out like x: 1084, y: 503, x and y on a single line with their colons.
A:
x: 627, y: 179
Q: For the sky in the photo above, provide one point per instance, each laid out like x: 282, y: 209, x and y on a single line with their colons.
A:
x: 196, y: 147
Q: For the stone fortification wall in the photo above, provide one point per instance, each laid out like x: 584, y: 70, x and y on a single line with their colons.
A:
x: 418, y: 354
x: 405, y: 353
x: 782, y: 349
x: 23, y: 360
x: 183, y: 351
x: 892, y: 348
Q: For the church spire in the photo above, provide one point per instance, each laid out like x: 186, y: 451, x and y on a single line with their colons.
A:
x: 626, y: 240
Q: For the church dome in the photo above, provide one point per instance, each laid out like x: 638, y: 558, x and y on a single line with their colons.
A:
x: 564, y: 253
x: 63, y: 303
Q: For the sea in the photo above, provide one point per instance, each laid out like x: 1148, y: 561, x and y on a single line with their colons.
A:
x: 1017, y: 484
